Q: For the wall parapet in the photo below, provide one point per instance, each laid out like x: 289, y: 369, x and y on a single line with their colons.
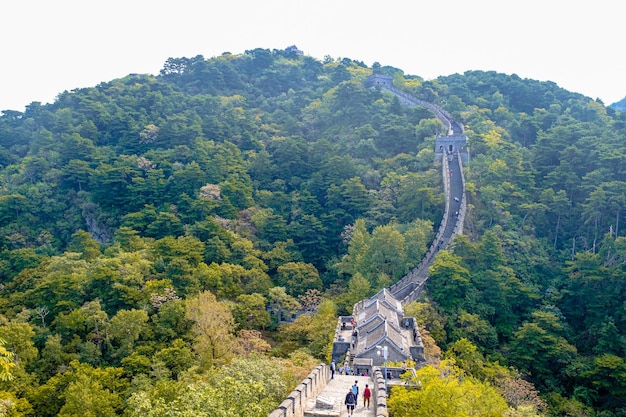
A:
x: 379, y: 392
x: 310, y: 387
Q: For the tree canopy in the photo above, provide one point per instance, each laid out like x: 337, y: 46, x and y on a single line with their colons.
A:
x: 257, y: 188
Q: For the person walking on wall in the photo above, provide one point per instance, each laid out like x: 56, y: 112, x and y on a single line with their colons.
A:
x: 350, y: 402
x: 332, y: 369
x: 355, y: 391
x: 366, y: 396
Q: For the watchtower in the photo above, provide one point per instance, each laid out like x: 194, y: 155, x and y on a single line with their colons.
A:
x: 450, y: 145
x: 379, y: 80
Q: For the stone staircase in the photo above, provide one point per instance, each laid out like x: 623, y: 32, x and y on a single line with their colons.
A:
x: 329, y: 403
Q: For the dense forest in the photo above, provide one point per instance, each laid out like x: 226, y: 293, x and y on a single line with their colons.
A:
x: 181, y: 244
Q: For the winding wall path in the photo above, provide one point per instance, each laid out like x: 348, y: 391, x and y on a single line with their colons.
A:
x: 309, y: 398
x: 410, y: 286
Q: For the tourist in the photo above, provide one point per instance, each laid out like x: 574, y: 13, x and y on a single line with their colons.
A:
x: 355, y: 390
x: 350, y: 402
x: 366, y: 396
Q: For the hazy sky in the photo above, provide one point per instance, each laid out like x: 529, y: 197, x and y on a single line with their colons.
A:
x: 49, y: 46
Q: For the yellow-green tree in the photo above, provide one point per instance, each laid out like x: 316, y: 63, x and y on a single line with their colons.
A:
x: 427, y: 315
x: 250, y: 311
x: 87, y: 396
x: 81, y: 390
x: 83, y: 243
x: 445, y: 392
x: 213, y: 325
x: 358, y: 289
x: 126, y: 327
x: 249, y: 387
x: 6, y: 362
x: 13, y: 406
x: 323, y: 328
x: 312, y: 331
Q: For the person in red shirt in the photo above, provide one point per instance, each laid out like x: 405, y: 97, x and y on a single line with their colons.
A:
x: 366, y: 396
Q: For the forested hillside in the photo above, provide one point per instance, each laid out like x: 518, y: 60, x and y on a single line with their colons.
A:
x: 157, y: 231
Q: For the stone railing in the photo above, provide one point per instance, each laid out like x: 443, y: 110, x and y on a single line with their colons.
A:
x: 310, y: 387
x: 458, y: 230
x: 379, y: 393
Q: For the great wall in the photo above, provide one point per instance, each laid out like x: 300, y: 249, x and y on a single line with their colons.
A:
x: 378, y: 323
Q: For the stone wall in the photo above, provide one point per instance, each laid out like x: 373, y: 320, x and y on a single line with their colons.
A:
x: 379, y: 393
x: 409, y: 287
x: 310, y: 387
x: 341, y: 341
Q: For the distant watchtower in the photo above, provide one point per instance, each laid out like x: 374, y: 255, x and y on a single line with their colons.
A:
x: 379, y: 80
x: 449, y: 145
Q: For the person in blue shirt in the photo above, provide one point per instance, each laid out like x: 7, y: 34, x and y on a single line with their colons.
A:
x: 355, y: 390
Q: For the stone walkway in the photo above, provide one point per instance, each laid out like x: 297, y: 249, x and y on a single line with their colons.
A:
x: 336, y: 391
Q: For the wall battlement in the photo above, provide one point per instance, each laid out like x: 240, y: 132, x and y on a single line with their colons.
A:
x: 310, y: 387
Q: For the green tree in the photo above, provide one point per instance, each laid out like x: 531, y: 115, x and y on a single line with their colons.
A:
x: 19, y: 342
x: 448, y: 281
x: 540, y: 348
x: 358, y: 246
x: 358, y: 289
x: 53, y: 357
x: 271, y: 226
x: 281, y: 253
x: 83, y: 243
x: 170, y: 322
x: 428, y: 316
x: 88, y: 397
x: 12, y: 406
x: 607, y: 376
x: 175, y: 358
x: 322, y: 329
x: 63, y: 284
x: 356, y: 199
x: 475, y: 330
x: 282, y: 303
x: 126, y: 327
x: 250, y: 312
x: 298, y: 277
x: 89, y: 322
x: 314, y: 332
x: 386, y: 254
x: 466, y: 356
x: 81, y: 389
x: 417, y: 238
x: 94, y: 391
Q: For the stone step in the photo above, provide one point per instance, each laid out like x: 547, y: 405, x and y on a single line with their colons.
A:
x: 335, y: 393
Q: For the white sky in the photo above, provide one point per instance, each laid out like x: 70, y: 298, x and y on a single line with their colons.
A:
x: 49, y: 46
